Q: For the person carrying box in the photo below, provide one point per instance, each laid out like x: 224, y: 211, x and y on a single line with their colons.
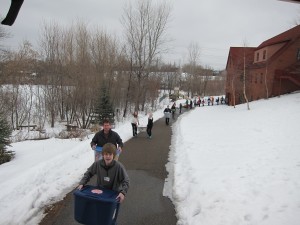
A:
x: 106, y: 135
x: 110, y: 173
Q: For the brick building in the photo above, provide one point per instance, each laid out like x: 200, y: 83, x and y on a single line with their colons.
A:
x: 271, y: 69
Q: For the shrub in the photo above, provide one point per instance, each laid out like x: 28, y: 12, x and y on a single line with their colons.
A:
x: 5, y: 132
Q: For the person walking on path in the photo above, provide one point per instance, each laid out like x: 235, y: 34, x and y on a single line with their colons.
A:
x: 167, y: 113
x: 110, y: 174
x: 173, y: 109
x: 208, y: 101
x: 150, y: 125
x: 222, y: 100
x: 145, y: 165
x: 134, y: 124
x: 106, y: 135
x: 180, y: 108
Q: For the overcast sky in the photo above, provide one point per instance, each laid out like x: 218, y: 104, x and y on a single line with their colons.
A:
x: 215, y: 25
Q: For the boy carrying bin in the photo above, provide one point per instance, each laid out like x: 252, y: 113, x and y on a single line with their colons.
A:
x: 110, y: 173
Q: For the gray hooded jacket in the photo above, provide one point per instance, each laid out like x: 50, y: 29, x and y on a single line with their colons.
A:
x: 113, y: 177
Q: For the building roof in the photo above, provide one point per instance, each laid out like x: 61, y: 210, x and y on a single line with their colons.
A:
x: 286, y: 36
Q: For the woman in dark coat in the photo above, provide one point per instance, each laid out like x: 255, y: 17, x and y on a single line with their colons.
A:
x: 150, y: 125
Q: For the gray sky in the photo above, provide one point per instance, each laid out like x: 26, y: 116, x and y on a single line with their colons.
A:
x: 215, y: 25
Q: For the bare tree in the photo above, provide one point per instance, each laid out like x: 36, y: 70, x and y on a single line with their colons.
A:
x: 232, y: 82
x: 19, y: 69
x: 50, y: 45
x: 244, y: 78
x: 145, y: 29
x: 265, y: 81
x: 3, y: 35
x: 193, y: 59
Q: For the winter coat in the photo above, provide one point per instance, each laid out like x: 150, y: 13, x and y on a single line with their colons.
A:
x: 113, y: 137
x: 150, y: 122
x: 135, y: 120
x: 167, y: 110
x: 113, y: 177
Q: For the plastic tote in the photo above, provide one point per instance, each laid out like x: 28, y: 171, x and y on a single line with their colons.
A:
x: 96, y: 209
x: 98, y: 149
x: 167, y: 114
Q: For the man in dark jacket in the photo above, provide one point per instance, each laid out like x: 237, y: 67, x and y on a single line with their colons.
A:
x: 106, y: 135
x: 167, y: 113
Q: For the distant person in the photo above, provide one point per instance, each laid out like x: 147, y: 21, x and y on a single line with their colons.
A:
x: 173, y: 110
x: 222, y: 100
x: 208, y: 101
x: 203, y: 102
x: 110, y: 173
x: 180, y: 108
x: 199, y: 102
x: 217, y: 100
x: 191, y: 104
x: 212, y: 100
x: 134, y: 123
x: 167, y: 113
x: 150, y: 125
x: 106, y: 135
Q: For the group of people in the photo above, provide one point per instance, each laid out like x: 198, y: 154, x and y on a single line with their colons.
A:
x: 111, y: 174
x: 135, y: 123
x: 108, y: 145
x: 171, y: 111
x: 210, y: 101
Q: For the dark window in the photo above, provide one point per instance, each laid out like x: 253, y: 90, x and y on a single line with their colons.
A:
x: 261, y: 77
x: 264, y: 54
x: 257, y: 56
x: 298, y: 54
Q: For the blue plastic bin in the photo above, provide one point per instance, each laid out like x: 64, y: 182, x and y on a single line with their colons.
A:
x: 98, y: 149
x: 96, y: 209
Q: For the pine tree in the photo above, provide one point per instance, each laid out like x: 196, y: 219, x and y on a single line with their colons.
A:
x: 104, y: 108
x: 5, y: 132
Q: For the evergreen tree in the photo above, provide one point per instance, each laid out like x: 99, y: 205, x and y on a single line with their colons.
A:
x: 5, y: 132
x: 104, y: 108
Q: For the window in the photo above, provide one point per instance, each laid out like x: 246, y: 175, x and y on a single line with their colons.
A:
x: 261, y: 77
x: 298, y: 54
x: 264, y: 54
x: 241, y: 77
x: 257, y: 56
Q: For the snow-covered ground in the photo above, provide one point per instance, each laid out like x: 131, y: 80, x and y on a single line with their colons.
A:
x: 231, y: 166
x: 228, y: 166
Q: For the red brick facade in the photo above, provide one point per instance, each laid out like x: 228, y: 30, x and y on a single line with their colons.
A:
x: 271, y: 69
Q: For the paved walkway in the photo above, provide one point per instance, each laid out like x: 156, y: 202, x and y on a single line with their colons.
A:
x: 145, y: 161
